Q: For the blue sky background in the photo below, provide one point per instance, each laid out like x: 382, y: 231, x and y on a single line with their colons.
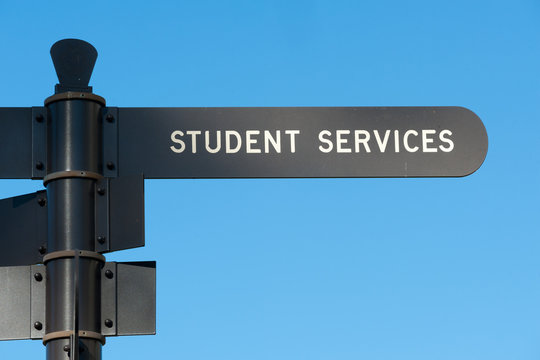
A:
x: 319, y: 268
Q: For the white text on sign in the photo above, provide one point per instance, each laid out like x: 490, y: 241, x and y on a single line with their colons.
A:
x: 286, y: 141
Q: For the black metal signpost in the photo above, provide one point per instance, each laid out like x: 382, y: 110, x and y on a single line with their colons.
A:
x: 93, y: 161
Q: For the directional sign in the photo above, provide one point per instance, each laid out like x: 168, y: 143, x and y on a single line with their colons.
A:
x: 300, y: 142
x: 267, y: 142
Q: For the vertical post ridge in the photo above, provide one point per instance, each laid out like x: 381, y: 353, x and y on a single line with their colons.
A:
x: 74, y: 346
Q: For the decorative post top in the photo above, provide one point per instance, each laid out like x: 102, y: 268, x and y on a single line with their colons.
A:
x: 73, y: 61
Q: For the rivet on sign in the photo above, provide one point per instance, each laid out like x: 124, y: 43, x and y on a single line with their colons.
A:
x: 38, y: 276
x: 109, y: 274
x: 38, y: 326
x: 109, y: 323
x: 110, y: 165
x: 101, y: 239
x: 39, y: 165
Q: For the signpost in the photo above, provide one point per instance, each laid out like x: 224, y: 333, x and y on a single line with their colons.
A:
x: 93, y: 161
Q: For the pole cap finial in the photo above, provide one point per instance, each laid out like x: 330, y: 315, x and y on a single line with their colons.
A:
x: 73, y: 61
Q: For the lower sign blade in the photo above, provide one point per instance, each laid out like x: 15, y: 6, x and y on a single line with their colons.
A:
x: 303, y: 142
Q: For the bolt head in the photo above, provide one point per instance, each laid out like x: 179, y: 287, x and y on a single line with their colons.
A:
x: 110, y: 165
x: 38, y: 326
x: 39, y: 165
x: 109, y: 323
x: 101, y: 191
x: 42, y: 202
x: 38, y: 276
x: 101, y: 239
x: 42, y: 250
x: 109, y: 274
x: 110, y: 118
x: 39, y: 118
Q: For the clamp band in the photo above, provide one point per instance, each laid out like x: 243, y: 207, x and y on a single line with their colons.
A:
x: 71, y: 174
x: 72, y: 254
x: 67, y: 333
x: 75, y: 95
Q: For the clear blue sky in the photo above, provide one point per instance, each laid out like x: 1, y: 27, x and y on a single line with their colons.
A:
x: 322, y: 268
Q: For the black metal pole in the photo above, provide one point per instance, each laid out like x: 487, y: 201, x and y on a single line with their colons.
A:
x: 74, y: 166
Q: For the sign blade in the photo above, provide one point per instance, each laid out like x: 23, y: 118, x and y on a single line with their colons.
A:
x: 23, y: 229
x: 300, y: 142
x: 16, y: 298
x: 16, y: 143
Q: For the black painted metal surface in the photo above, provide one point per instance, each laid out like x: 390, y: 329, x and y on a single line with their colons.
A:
x: 136, y: 280
x: 39, y: 142
x: 74, y: 141
x: 126, y: 209
x: 109, y: 278
x: 118, y: 214
x: 22, y: 302
x: 110, y: 142
x: 38, y: 281
x: 300, y: 142
x: 23, y: 229
x: 15, y: 300
x: 271, y: 142
x: 16, y: 143
x: 128, y: 298
x: 73, y: 61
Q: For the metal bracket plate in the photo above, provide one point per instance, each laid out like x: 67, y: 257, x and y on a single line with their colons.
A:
x: 110, y: 142
x: 38, y: 281
x: 39, y: 142
x: 108, y: 299
x: 102, y: 215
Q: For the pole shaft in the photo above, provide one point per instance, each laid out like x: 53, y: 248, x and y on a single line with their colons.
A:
x: 74, y: 143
